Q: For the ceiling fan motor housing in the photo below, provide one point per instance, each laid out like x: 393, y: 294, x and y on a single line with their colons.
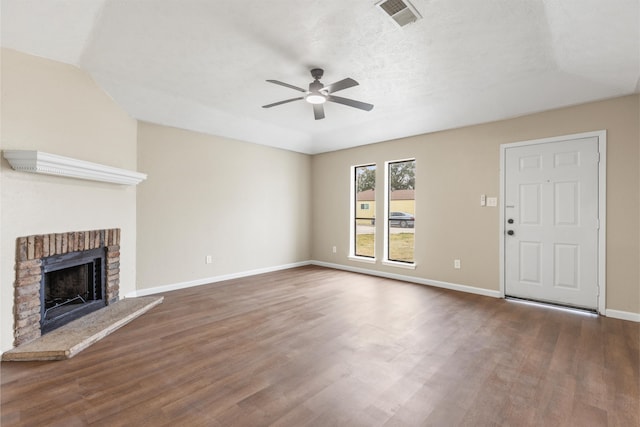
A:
x: 315, y: 86
x: 317, y: 73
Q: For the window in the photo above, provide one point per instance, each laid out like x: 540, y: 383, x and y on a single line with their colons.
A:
x: 400, y: 211
x: 363, y: 218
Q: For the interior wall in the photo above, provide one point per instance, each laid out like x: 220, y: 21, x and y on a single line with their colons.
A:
x: 57, y: 108
x: 251, y: 207
x: 453, y: 168
x: 246, y: 205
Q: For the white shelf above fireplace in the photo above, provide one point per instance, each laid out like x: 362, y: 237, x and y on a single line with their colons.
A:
x: 51, y: 164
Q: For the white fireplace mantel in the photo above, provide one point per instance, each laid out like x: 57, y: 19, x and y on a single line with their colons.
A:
x: 52, y: 164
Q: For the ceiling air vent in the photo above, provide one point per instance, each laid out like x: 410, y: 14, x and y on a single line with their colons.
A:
x: 401, y: 11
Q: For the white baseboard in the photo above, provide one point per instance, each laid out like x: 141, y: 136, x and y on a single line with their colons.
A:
x: 418, y: 280
x: 616, y: 314
x: 214, y: 279
x: 623, y: 315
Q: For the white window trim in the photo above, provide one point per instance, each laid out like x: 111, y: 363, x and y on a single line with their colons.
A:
x: 385, y: 255
x: 362, y: 259
x: 407, y: 265
x: 352, y: 218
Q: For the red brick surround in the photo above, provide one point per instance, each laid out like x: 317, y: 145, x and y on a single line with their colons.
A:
x: 30, y: 251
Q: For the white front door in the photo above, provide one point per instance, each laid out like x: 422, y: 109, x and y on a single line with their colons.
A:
x: 551, y: 222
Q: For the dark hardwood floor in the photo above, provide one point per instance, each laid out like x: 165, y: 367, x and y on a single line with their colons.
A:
x: 314, y: 346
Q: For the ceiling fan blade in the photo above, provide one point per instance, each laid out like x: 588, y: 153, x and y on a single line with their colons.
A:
x: 287, y: 85
x: 342, y: 84
x: 282, y: 102
x: 350, y: 102
x: 318, y: 111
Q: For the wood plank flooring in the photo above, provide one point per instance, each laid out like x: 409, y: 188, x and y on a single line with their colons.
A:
x: 319, y: 347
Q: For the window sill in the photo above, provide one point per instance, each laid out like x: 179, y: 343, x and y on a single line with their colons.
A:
x: 408, y: 266
x: 362, y: 259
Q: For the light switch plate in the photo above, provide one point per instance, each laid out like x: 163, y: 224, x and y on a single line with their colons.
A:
x: 492, y: 201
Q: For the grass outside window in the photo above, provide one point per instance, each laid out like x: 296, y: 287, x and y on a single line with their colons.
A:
x: 401, y: 246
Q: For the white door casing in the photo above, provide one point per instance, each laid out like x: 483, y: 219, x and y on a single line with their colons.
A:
x: 552, y: 192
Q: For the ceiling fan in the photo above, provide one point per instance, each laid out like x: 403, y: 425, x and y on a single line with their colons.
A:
x: 318, y: 94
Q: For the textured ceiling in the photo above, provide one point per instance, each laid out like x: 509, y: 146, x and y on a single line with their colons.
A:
x: 202, y: 65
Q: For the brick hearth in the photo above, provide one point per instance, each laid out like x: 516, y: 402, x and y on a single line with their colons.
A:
x: 30, y: 251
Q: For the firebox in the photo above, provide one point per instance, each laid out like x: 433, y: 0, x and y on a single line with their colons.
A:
x: 72, y: 286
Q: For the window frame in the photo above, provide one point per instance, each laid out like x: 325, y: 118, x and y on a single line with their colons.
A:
x: 352, y: 216
x: 387, y: 210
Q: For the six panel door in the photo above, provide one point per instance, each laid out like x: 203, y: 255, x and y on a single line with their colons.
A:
x: 551, y: 222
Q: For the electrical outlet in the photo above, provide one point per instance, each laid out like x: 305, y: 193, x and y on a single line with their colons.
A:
x: 335, y: 249
x: 208, y: 259
x: 456, y: 264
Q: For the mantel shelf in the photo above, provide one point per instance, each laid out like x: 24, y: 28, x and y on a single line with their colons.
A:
x: 51, y: 164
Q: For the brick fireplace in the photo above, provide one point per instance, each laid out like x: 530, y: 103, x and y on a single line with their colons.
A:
x: 32, y: 251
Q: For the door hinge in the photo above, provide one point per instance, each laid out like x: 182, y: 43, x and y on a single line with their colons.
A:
x: 597, y: 223
x: 598, y: 159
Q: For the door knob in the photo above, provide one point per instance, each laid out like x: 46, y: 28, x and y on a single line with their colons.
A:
x: 510, y: 220
x: 510, y: 232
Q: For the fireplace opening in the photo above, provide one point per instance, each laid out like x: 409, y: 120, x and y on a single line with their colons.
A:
x: 72, y: 286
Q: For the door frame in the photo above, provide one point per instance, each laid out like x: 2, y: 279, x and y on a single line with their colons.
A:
x: 602, y: 206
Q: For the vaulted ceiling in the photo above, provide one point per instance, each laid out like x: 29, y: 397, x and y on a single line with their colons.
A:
x: 202, y: 65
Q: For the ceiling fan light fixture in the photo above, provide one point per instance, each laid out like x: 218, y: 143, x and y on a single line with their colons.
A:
x: 316, y: 98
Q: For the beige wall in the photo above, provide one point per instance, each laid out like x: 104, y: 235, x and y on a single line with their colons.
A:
x: 57, y: 108
x: 453, y: 168
x: 246, y: 205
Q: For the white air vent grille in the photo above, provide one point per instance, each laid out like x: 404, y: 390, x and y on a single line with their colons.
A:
x: 401, y: 11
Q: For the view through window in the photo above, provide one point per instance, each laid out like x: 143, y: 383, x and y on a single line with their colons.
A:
x: 401, y: 176
x: 365, y: 211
